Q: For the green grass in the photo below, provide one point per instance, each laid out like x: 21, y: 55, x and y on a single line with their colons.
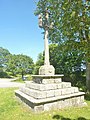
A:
x: 12, y: 109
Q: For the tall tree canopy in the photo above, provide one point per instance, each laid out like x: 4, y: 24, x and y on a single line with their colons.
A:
x: 21, y: 64
x: 3, y: 54
x: 71, y: 23
x: 15, y: 64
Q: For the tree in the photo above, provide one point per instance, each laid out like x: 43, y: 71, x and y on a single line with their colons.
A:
x: 3, y: 54
x: 65, y: 61
x: 20, y: 64
x: 11, y: 64
x: 68, y: 62
x: 39, y: 62
x: 24, y: 64
x: 71, y: 21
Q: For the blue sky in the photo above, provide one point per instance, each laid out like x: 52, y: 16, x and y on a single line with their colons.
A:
x: 19, y: 31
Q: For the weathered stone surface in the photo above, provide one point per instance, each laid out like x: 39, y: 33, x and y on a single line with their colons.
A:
x: 41, y: 87
x: 76, y: 89
x: 82, y: 99
x: 39, y: 108
x: 66, y: 91
x: 59, y: 85
x: 51, y: 78
x: 65, y: 103
x: 49, y: 92
x: 58, y: 92
x: 66, y: 84
x: 34, y: 93
x: 51, y: 86
x: 58, y: 80
x: 45, y: 100
x: 47, y: 70
x: 46, y: 104
x: 35, y: 86
x: 47, y: 81
x: 50, y: 106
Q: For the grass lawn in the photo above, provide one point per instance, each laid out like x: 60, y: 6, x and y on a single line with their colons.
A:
x: 11, y: 109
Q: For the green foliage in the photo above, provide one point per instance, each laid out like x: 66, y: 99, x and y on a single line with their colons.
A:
x: 71, y: 22
x: 40, y: 61
x: 11, y: 109
x: 14, y: 64
x: 11, y: 64
x: 3, y: 54
x: 71, y: 29
x: 20, y: 64
x: 68, y: 61
x: 3, y: 74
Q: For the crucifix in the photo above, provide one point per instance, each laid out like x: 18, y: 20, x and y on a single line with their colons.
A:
x: 46, y: 69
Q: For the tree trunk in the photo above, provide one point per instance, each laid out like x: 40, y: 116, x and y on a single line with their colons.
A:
x: 88, y: 76
x: 22, y: 74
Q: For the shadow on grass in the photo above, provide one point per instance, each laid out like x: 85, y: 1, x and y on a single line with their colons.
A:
x: 58, y: 117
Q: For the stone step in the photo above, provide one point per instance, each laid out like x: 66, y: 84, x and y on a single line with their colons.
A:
x: 49, y: 93
x: 44, y: 87
x: 34, y: 101
x: 47, y: 79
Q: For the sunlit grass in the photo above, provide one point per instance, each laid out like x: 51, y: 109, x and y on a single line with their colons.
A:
x: 12, y: 109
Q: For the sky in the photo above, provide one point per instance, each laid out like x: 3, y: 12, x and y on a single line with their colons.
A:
x: 19, y: 31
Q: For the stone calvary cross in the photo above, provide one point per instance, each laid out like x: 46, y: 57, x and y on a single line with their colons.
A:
x: 46, y: 91
x: 46, y: 69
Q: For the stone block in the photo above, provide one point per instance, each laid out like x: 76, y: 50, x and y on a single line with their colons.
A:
x: 58, y: 80
x: 82, y: 99
x: 64, y: 91
x: 65, y: 103
x: 66, y: 84
x: 50, y: 93
x: 39, y: 94
x: 36, y: 86
x: 59, y: 86
x: 39, y: 108
x: 72, y: 89
x: 47, y: 81
x: 76, y: 89
x: 78, y: 101
x: 46, y: 70
x: 58, y: 92
x: 37, y: 80
x: 74, y: 101
x: 50, y: 106
x: 34, y: 93
x: 51, y: 86
x: 41, y: 87
x: 60, y: 104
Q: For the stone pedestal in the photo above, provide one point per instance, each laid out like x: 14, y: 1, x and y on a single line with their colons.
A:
x: 48, y: 92
x: 47, y: 70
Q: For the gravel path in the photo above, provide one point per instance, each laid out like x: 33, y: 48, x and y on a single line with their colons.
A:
x: 5, y: 83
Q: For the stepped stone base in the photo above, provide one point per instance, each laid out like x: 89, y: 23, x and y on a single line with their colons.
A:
x: 48, y: 92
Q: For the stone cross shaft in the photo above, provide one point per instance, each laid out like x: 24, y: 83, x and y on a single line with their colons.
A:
x: 46, y: 69
x: 46, y: 61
